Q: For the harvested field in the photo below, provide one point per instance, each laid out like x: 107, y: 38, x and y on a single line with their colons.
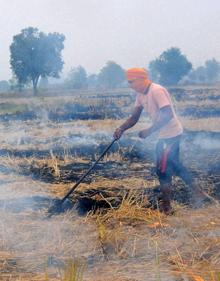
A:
x: 113, y: 230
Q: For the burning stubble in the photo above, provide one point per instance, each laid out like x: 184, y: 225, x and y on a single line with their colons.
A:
x: 134, y: 247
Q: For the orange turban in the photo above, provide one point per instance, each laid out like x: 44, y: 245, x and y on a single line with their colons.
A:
x: 134, y: 73
x: 140, y: 78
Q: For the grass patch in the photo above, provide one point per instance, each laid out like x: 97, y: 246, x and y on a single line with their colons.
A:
x: 11, y: 108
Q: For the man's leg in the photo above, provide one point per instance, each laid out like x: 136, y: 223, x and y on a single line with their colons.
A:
x: 196, y: 196
x: 165, y: 203
x: 164, y: 176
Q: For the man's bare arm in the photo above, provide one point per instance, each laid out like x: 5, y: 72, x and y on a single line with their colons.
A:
x: 133, y: 119
x: 164, y: 117
x: 130, y: 122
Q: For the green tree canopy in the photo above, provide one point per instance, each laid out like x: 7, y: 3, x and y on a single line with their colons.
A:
x: 92, y: 81
x: 170, y: 67
x: 77, y: 78
x: 207, y: 73
x: 212, y: 68
x: 35, y: 54
x: 111, y: 75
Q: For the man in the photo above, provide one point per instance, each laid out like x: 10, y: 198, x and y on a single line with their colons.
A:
x: 156, y: 101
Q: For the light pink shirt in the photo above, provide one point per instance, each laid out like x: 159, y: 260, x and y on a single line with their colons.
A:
x: 156, y: 98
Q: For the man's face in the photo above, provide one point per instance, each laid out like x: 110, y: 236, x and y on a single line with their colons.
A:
x: 132, y: 83
x: 137, y: 84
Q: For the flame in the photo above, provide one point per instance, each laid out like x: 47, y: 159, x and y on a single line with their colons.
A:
x: 197, y: 278
x: 157, y: 224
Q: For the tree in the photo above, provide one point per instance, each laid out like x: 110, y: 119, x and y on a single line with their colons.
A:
x: 92, y: 81
x: 198, y: 75
x: 15, y: 85
x: 212, y: 68
x: 77, y: 78
x: 35, y: 54
x: 43, y: 83
x: 170, y: 67
x: 111, y: 75
x: 208, y: 73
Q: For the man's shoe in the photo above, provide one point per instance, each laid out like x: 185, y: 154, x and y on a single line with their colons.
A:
x: 165, y: 207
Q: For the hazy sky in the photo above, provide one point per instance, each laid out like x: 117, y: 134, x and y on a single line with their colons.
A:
x: 130, y: 32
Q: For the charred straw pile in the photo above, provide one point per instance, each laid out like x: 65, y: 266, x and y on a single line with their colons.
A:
x: 105, y: 199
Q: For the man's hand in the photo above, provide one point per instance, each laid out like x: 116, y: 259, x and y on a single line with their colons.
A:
x: 144, y: 133
x: 118, y: 133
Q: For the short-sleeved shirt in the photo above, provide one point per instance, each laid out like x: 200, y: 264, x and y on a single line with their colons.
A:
x: 156, y: 98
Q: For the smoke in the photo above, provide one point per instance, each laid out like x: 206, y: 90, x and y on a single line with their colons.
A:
x: 45, y: 135
x: 207, y: 143
x: 32, y: 241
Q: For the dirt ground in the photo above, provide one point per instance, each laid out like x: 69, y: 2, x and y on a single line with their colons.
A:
x: 111, y: 230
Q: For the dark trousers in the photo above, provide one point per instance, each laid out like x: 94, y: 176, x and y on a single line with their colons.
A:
x: 168, y: 161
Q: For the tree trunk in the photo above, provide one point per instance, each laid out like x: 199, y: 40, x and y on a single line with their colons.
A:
x: 35, y: 81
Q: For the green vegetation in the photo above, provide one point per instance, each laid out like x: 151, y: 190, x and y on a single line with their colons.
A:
x: 77, y: 78
x: 209, y: 73
x: 111, y: 75
x: 35, y: 54
x: 170, y: 67
x: 11, y: 108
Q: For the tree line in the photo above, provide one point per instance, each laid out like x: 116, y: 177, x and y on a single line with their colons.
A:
x: 36, y: 56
